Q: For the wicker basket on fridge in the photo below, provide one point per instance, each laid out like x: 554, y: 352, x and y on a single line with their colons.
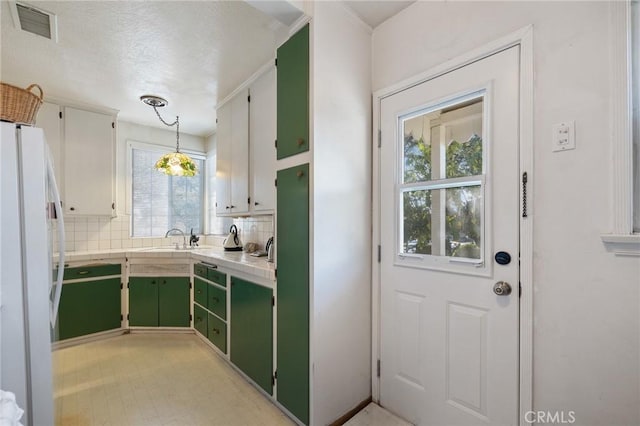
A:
x: 19, y: 105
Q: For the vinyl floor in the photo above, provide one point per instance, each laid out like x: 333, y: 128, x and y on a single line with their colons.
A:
x: 154, y: 379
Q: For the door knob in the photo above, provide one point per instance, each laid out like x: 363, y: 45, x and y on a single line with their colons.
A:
x: 502, y: 288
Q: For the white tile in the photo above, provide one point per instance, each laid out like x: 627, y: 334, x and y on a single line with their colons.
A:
x: 125, y: 243
x: 93, y: 226
x: 116, y: 244
x: 147, y: 242
x: 105, y: 235
x: 93, y: 236
x: 93, y: 219
x: 69, y: 225
x: 136, y: 242
x: 80, y: 236
x: 81, y: 245
x: 124, y: 234
x: 115, y: 234
x: 104, y: 244
x: 80, y: 226
x: 93, y: 245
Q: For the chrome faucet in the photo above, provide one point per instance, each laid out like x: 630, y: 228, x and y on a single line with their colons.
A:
x: 184, y: 238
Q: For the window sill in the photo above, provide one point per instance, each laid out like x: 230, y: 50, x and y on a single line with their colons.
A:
x: 622, y: 245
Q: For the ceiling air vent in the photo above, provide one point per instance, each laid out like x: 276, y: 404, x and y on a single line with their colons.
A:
x: 35, y: 21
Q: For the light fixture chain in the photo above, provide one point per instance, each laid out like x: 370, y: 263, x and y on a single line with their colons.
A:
x: 175, y: 123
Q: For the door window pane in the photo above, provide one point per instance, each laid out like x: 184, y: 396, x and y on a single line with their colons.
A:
x: 442, y: 186
x: 417, y: 222
x: 463, y: 222
x: 417, y: 149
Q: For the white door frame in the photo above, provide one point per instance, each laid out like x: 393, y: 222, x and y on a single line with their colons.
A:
x: 524, y: 39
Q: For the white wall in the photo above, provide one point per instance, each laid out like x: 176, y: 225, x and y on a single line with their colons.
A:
x: 586, y: 300
x: 341, y: 105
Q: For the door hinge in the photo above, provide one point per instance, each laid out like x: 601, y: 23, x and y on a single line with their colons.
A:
x: 378, y: 368
x: 127, y: 317
x: 275, y: 182
x: 127, y: 284
x: 216, y: 121
x: 113, y: 206
x: 519, y: 289
x: 113, y: 125
x: 60, y: 115
x: 121, y: 317
x: 249, y: 98
x: 379, y: 138
x: 190, y: 285
x: 379, y: 253
x: 274, y: 376
x: 275, y: 143
x: 276, y: 62
x: 248, y: 200
x: 275, y: 271
x: 190, y: 317
x: 273, y: 301
x: 121, y: 286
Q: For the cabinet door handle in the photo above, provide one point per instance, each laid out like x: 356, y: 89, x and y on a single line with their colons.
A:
x: 216, y: 331
x: 227, y: 207
x: 199, y: 291
x: 83, y: 272
x: 300, y: 173
x: 153, y: 282
x: 300, y: 141
x: 256, y: 203
x: 233, y: 207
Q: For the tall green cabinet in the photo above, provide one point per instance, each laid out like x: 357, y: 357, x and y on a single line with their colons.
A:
x: 292, y: 245
x: 293, y: 95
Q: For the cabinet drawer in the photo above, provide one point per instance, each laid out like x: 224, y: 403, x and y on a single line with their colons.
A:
x: 91, y: 271
x: 200, y: 292
x: 200, y: 270
x: 200, y: 320
x: 217, y: 332
x: 217, y: 276
x: 217, y: 301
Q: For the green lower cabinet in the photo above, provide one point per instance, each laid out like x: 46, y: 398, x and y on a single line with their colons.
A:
x: 173, y: 302
x: 217, y: 301
x: 252, y: 331
x: 200, y: 319
x: 143, y: 301
x: 159, y: 301
x: 200, y: 293
x: 217, y: 332
x: 293, y: 290
x: 89, y: 307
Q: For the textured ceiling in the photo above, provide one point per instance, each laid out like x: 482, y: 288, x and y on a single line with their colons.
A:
x: 110, y: 52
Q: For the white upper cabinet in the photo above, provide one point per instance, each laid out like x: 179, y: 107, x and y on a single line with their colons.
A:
x: 232, y: 156
x: 89, y: 166
x: 82, y: 145
x: 262, y: 136
x: 240, y: 153
x: 223, y: 160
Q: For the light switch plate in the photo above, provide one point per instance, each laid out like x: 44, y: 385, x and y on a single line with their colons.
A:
x: 564, y: 136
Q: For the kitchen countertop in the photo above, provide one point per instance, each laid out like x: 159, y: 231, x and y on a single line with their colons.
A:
x: 239, y: 261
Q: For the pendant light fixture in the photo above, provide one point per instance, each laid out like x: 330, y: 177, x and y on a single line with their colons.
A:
x: 175, y: 163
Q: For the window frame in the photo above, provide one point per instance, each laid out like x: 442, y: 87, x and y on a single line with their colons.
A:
x: 478, y: 267
x: 621, y: 239
x: 161, y: 150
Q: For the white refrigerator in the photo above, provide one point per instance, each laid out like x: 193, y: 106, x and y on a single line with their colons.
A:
x: 29, y: 297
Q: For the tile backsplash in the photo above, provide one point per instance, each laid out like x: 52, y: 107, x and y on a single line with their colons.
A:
x: 102, y: 233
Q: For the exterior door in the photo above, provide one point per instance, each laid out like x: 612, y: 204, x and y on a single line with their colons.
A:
x: 449, y: 223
